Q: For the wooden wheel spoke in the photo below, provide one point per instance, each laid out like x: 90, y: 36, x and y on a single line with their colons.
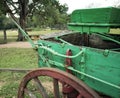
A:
x: 29, y: 93
x: 71, y: 85
x: 40, y: 87
x: 56, y: 88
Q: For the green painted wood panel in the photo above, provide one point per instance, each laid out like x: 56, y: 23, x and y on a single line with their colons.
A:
x: 96, y: 15
x: 95, y: 20
x: 101, y: 64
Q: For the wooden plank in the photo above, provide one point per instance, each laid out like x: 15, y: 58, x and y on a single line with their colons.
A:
x: 14, y: 70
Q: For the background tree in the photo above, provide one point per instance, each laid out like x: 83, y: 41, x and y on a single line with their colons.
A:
x: 17, y: 8
x: 105, y: 3
x: 2, y: 25
x: 47, y: 12
x: 5, y: 24
x: 116, y: 3
x: 3, y: 18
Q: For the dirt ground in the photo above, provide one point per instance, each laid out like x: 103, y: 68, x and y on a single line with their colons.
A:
x: 16, y: 45
x: 27, y: 44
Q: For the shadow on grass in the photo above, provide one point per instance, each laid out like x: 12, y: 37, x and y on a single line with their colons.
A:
x: 9, y: 39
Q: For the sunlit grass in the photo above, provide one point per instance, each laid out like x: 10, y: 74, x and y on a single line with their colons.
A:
x: 14, y: 33
x: 42, y: 32
x: 115, y: 31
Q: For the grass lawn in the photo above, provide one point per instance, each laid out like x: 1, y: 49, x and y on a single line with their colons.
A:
x: 32, y: 32
x: 14, y: 58
x: 12, y: 34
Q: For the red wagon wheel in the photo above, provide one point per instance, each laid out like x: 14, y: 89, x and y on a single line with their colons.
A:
x: 59, y: 78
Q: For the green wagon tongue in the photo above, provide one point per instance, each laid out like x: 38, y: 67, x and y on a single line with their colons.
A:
x: 25, y: 34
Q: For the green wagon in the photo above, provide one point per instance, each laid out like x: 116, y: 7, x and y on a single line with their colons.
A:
x: 79, y: 71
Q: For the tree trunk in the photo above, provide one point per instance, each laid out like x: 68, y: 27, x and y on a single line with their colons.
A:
x: 22, y: 14
x: 5, y: 35
x: 22, y: 24
x: 22, y: 19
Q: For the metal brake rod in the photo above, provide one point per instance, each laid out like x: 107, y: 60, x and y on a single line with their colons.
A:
x: 62, y: 55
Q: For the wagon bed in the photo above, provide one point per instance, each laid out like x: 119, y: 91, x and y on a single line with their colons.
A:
x: 83, y: 71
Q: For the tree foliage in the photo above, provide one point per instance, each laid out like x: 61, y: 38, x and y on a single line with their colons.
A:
x: 2, y: 7
x: 47, y: 12
x: 41, y: 12
x: 104, y: 3
x: 6, y: 23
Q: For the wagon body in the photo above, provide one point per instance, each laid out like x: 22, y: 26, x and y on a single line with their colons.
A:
x: 100, y: 69
x: 95, y: 20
